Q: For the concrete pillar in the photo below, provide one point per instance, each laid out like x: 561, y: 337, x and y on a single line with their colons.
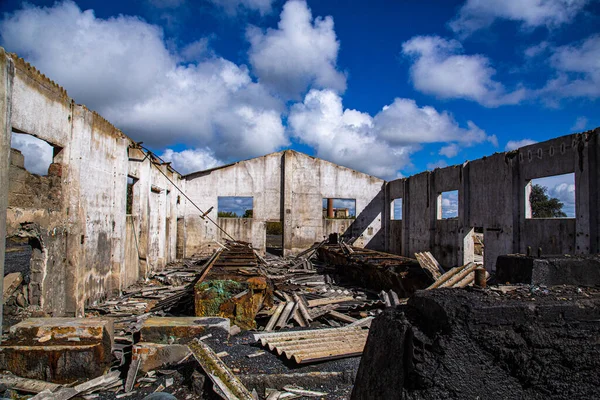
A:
x: 287, y: 197
x: 6, y: 74
x: 583, y: 185
x: 330, y: 213
x: 594, y: 190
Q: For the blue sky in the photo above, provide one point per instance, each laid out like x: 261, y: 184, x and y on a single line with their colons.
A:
x: 390, y: 88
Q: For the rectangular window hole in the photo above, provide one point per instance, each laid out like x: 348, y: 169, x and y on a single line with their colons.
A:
x: 339, y: 208
x: 37, y: 154
x: 550, y: 197
x: 235, y: 207
x: 130, y: 183
x: 396, y: 210
x: 447, y: 205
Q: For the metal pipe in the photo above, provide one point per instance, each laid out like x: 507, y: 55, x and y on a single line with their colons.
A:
x: 480, y: 277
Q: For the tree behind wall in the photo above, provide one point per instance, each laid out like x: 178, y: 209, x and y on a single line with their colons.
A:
x: 544, y: 206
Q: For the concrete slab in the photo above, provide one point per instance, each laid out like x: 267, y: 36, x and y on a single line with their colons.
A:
x: 63, y: 329
x: 580, y: 270
x: 182, y: 330
x: 59, y: 350
x: 155, y: 355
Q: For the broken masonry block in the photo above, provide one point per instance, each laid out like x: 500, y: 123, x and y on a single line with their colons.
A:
x: 238, y: 301
x: 182, y: 330
x: 152, y: 356
x: 58, y: 350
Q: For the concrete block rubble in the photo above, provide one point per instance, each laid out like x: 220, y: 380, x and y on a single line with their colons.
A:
x: 230, y: 324
x: 237, y: 325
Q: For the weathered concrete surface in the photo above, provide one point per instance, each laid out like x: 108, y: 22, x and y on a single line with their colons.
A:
x: 75, y: 218
x: 491, y: 196
x: 468, y: 344
x: 583, y: 270
x: 182, y: 330
x: 287, y: 186
x: 58, y: 350
x: 5, y: 139
x: 156, y: 355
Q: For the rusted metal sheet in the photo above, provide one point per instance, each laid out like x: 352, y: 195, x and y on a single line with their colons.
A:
x: 222, y: 377
x: 376, y: 270
x: 316, y: 345
x: 233, y: 286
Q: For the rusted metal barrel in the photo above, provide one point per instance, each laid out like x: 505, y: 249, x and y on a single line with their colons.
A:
x: 480, y: 277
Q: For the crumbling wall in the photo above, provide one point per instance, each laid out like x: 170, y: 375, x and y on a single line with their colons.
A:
x: 307, y: 181
x: 259, y: 178
x: 76, y: 216
x: 34, y: 202
x: 286, y: 186
x: 5, y: 138
x: 492, y: 197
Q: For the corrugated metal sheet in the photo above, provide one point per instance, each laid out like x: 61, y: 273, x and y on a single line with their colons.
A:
x: 316, y: 345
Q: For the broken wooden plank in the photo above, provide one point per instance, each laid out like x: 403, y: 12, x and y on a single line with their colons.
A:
x: 442, y: 279
x: 329, y: 300
x: 466, y: 270
x: 302, y: 308
x: 11, y: 283
x: 275, y: 317
x: 27, y: 385
x: 67, y: 393
x: 341, y: 317
x: 285, y: 315
x: 219, y: 373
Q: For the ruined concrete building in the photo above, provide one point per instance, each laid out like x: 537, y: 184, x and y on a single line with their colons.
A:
x: 91, y: 239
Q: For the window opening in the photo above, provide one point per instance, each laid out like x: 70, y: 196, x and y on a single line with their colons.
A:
x: 339, y: 208
x: 447, y: 205
x: 235, y: 207
x: 37, y: 154
x: 550, y: 197
x: 397, y: 210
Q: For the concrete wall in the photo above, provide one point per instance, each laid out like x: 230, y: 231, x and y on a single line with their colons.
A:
x: 287, y: 186
x: 307, y: 181
x: 5, y: 139
x: 77, y: 214
x: 259, y: 178
x: 492, y: 196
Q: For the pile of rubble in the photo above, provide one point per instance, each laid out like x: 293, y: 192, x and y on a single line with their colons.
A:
x: 235, y: 324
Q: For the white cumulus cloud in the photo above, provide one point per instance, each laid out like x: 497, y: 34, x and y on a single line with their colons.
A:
x: 191, y: 160
x: 577, y: 67
x: 580, y: 124
x: 439, y: 68
x: 515, y: 144
x: 300, y: 53
x: 478, y: 14
x: 122, y: 68
x: 450, y: 151
x: 437, y: 164
x: 232, y: 7
x: 352, y: 138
